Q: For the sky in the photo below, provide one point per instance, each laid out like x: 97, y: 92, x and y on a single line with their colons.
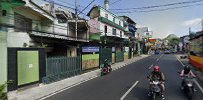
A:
x: 162, y: 23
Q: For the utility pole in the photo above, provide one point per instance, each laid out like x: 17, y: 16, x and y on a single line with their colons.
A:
x: 202, y: 24
x: 76, y: 19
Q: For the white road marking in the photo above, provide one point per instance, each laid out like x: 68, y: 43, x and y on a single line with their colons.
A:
x: 157, y: 60
x: 49, y: 95
x: 151, y: 66
x: 180, y: 61
x: 198, y: 86
x: 122, y: 98
x: 194, y: 79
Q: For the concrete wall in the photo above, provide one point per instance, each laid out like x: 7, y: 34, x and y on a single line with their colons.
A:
x: 110, y: 30
x: 3, y: 56
x: 111, y: 16
x: 72, y: 51
x: 60, y: 28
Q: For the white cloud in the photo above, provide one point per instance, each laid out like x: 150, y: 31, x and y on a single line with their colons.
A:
x: 192, y: 22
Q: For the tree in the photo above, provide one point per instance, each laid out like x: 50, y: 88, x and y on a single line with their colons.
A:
x: 174, y: 41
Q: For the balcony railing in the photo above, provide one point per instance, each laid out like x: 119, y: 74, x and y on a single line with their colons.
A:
x: 107, y: 21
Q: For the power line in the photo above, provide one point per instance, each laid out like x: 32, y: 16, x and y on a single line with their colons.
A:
x: 165, y: 5
x: 71, y: 4
x: 115, y: 2
x: 87, y: 6
x: 62, y: 5
x: 160, y: 9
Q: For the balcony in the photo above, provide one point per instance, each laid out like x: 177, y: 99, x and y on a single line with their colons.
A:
x: 109, y: 22
x: 132, y: 28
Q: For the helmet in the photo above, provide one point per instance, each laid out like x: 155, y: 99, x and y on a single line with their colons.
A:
x: 187, y: 68
x: 156, y: 68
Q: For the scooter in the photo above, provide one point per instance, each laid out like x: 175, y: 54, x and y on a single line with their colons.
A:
x: 188, y: 87
x: 105, y: 70
x: 155, y: 91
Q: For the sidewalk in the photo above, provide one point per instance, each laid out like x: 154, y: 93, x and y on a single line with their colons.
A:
x: 196, y: 71
x: 44, y: 90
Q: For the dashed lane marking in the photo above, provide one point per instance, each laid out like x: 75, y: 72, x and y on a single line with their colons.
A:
x: 123, y: 97
x: 151, y: 66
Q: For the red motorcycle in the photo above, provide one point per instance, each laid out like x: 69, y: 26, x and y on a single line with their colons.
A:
x: 105, y: 69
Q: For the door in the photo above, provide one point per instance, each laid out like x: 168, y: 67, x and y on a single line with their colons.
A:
x: 27, y: 67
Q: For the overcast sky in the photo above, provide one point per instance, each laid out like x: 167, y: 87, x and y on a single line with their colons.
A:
x: 173, y: 21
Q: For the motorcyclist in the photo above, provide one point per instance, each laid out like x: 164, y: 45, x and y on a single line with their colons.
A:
x: 106, y: 64
x: 186, y: 72
x: 156, y: 74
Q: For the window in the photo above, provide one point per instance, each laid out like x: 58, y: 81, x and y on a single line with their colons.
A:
x: 120, y: 33
x: 61, y: 20
x: 3, y: 13
x: 106, y: 15
x: 114, y: 31
x: 105, y: 29
x: 22, y: 24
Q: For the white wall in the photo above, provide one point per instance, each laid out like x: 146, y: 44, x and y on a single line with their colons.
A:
x: 3, y: 57
x: 72, y: 51
x: 17, y: 39
x: 111, y: 16
x: 110, y: 30
x: 60, y: 28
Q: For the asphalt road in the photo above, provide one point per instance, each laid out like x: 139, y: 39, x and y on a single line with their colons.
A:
x: 130, y: 82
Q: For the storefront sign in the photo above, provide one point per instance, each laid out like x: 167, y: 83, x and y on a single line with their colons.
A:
x: 113, y: 49
x: 90, y: 49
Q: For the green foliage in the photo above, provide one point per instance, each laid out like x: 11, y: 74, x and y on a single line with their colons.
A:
x: 174, y: 41
x: 3, y: 94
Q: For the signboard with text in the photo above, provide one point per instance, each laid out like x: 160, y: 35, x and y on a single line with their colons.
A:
x: 90, y: 49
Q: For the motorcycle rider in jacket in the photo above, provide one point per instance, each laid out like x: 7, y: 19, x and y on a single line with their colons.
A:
x: 156, y: 74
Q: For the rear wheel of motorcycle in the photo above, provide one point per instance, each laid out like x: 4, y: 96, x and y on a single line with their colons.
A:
x: 102, y: 74
x: 154, y: 96
x: 190, y: 94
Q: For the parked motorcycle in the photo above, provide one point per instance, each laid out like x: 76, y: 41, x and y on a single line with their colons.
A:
x: 155, y: 91
x: 188, y: 87
x: 105, y: 69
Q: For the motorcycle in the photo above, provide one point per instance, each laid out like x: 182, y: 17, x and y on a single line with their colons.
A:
x: 155, y: 90
x: 188, y: 86
x: 105, y: 69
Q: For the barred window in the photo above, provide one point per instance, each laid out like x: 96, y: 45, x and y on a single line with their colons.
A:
x: 22, y: 24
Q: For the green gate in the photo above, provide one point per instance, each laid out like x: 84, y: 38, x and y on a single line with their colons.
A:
x: 105, y: 53
x: 58, y: 68
x: 119, y: 56
x: 28, y: 67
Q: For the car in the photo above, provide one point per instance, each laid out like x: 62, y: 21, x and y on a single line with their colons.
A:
x: 174, y: 51
x: 167, y: 52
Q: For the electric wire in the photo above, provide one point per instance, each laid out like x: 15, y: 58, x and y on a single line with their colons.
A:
x: 158, y: 6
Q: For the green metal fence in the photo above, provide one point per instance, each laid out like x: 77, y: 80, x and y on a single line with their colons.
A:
x: 105, y: 53
x: 58, y: 68
x: 119, y: 56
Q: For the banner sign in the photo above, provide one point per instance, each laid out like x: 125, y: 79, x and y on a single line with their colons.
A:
x: 90, y: 49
